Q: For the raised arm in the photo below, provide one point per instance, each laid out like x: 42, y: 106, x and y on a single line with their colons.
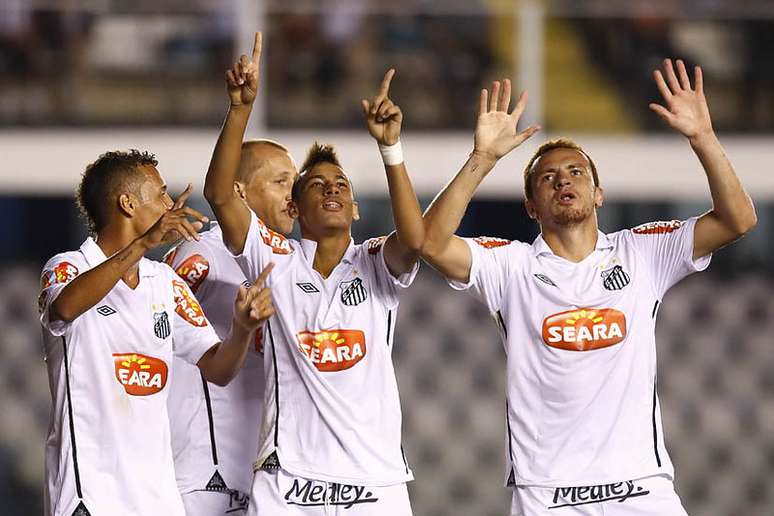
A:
x: 252, y: 307
x: 90, y: 287
x: 232, y: 213
x: 686, y: 111
x: 384, y: 118
x: 496, y: 135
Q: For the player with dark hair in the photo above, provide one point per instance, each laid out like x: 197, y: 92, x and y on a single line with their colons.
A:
x: 214, y: 428
x: 577, y: 308
x: 112, y: 321
x: 331, y: 434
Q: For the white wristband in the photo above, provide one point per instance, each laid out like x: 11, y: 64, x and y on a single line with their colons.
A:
x: 391, y: 154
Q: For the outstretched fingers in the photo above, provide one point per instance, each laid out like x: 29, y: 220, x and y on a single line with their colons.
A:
x: 520, y: 106
x: 483, y: 102
x: 505, y: 96
x: 257, y: 44
x: 180, y: 202
x: 682, y: 73
x: 384, y: 91
x: 495, y: 96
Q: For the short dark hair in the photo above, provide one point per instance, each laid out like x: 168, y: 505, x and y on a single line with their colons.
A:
x: 104, y: 179
x: 556, y: 143
x: 318, y: 153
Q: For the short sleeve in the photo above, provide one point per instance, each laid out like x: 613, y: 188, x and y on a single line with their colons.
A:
x: 388, y: 284
x: 193, y: 334
x: 58, y: 272
x: 493, y: 261
x: 261, y: 245
x: 193, y: 262
x: 667, y: 248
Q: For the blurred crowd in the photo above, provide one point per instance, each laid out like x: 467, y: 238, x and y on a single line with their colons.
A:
x: 72, y: 64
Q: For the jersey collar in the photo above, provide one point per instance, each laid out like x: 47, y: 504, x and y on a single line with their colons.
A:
x: 94, y: 256
x: 539, y: 246
x: 308, y: 247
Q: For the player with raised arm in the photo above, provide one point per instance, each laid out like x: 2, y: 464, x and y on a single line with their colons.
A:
x: 577, y: 308
x: 112, y: 321
x: 331, y: 435
x: 214, y: 428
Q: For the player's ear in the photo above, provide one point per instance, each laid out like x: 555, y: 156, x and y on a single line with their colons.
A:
x: 127, y: 204
x: 239, y: 189
x: 529, y: 205
x: 355, y: 211
x: 599, y: 197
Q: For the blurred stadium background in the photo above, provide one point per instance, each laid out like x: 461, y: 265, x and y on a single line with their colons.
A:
x: 79, y: 77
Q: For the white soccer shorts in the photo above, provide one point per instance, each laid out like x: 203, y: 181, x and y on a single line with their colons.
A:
x: 215, y: 503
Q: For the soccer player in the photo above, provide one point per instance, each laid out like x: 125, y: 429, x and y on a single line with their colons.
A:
x: 214, y: 428
x: 330, y: 441
x: 112, y: 321
x: 576, y: 309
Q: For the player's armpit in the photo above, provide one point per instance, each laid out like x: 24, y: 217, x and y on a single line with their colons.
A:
x: 399, y: 258
x: 454, y: 260
x: 711, y: 234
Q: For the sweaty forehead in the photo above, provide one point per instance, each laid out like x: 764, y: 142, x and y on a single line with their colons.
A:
x: 558, y: 157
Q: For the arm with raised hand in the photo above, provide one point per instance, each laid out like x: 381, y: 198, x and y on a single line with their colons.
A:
x: 384, y: 119
x: 89, y: 288
x: 496, y: 135
x: 252, y: 307
x: 686, y: 111
x: 232, y: 214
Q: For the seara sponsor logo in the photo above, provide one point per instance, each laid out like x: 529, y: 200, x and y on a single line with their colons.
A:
x: 584, y: 329
x: 193, y: 270
x: 63, y: 272
x: 278, y: 243
x: 186, y: 305
x: 332, y: 350
x: 140, y: 375
x: 657, y: 228
x: 491, y: 242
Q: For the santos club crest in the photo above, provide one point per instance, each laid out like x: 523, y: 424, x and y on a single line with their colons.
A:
x: 353, y: 292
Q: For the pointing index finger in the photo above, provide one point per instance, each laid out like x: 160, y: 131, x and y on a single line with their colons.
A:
x: 183, y: 197
x: 261, y: 279
x: 385, y: 88
x: 257, y: 47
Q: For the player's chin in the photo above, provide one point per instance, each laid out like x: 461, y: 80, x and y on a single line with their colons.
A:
x: 571, y: 215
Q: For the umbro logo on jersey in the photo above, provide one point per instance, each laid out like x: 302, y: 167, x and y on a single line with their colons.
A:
x: 615, y: 278
x: 545, y: 279
x: 161, y: 325
x: 584, y: 495
x: 308, y: 288
x: 105, y: 310
x: 584, y: 329
x: 353, y: 292
x: 216, y: 483
x: 141, y: 375
x: 313, y: 493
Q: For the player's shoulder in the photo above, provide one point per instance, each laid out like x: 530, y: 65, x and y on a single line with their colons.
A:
x: 63, y: 268
x: 658, y: 227
x: 490, y: 242
x: 372, y: 246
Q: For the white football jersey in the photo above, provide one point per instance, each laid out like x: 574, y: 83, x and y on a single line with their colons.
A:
x: 108, y: 446
x: 582, y: 407
x: 214, y: 428
x: 331, y: 409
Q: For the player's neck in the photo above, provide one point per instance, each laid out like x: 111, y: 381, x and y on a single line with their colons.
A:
x: 573, y: 243
x: 330, y: 251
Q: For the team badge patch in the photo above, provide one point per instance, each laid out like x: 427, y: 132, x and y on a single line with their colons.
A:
x: 491, y: 242
x: 140, y: 375
x: 161, y: 325
x: 375, y: 244
x: 657, y: 228
x: 353, y: 292
x: 545, y: 279
x: 194, y: 270
x: 615, y: 278
x: 332, y: 350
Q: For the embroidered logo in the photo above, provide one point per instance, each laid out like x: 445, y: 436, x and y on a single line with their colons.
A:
x: 615, y: 278
x: 313, y: 493
x: 332, y: 350
x: 657, y: 228
x: 105, y: 310
x: 584, y: 495
x: 491, y: 242
x: 545, y: 279
x: 140, y: 375
x: 161, y: 326
x: 307, y: 288
x: 353, y: 292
